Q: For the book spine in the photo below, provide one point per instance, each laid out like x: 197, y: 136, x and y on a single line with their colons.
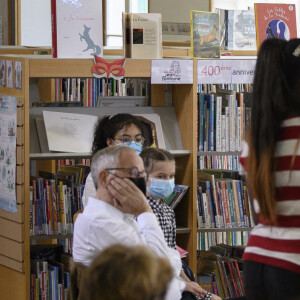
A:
x: 54, y: 28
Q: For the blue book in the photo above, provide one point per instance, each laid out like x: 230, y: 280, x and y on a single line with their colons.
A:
x: 55, y: 283
x: 201, y: 122
x: 241, y: 206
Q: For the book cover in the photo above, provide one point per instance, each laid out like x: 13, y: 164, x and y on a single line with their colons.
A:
x: 205, y: 34
x: 142, y: 35
x: 76, y: 28
x: 274, y: 20
x: 237, y: 30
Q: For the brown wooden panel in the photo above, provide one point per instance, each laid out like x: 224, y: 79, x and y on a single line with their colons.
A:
x: 12, y: 264
x: 20, y: 135
x: 82, y: 67
x: 20, y: 174
x: 12, y: 249
x: 20, y: 116
x: 20, y: 155
x: 12, y: 230
x: 158, y: 94
x: 18, y: 217
x: 20, y: 193
x: 46, y: 87
x: 20, y: 101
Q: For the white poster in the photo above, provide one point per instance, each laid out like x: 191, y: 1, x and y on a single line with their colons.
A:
x: 8, y: 127
x: 68, y: 132
x: 170, y: 71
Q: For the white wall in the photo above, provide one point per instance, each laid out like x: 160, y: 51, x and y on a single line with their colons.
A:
x: 36, y: 23
x: 177, y: 11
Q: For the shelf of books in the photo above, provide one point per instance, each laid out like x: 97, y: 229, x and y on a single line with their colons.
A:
x: 224, y: 213
x: 45, y: 209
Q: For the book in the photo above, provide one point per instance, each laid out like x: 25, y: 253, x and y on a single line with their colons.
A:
x: 142, y: 35
x: 205, y: 34
x: 275, y: 20
x: 237, y: 30
x: 76, y: 28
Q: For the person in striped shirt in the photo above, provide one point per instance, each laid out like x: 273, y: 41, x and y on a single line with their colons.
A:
x: 271, y: 161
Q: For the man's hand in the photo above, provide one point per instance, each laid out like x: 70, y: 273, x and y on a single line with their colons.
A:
x: 127, y: 197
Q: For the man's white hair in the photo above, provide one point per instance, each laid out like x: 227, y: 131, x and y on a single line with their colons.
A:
x: 106, y: 158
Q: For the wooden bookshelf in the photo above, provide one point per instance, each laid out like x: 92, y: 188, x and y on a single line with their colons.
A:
x: 15, y: 271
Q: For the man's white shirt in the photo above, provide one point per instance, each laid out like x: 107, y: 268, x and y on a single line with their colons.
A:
x: 101, y: 225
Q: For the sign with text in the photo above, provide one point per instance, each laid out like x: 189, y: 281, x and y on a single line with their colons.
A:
x: 225, y: 71
x: 243, y: 71
x: 214, y: 71
x: 171, y: 71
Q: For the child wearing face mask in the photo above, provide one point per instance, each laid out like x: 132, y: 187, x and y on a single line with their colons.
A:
x: 160, y: 167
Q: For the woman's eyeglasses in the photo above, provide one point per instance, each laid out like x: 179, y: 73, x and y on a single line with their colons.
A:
x: 129, y: 139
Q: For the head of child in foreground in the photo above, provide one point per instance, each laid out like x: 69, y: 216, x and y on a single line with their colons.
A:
x: 123, y: 272
x: 160, y: 168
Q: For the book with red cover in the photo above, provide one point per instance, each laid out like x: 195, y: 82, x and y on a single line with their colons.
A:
x: 76, y: 28
x: 275, y: 20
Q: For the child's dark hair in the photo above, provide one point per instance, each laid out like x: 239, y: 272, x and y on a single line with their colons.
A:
x: 151, y: 155
x: 107, y: 127
x: 275, y: 97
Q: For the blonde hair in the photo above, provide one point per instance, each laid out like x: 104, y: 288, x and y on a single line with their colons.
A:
x: 126, y: 273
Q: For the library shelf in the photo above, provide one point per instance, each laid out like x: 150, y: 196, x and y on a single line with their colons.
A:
x: 39, y: 71
x: 224, y: 229
x: 212, y: 153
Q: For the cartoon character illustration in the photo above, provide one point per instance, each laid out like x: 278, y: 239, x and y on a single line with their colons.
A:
x: 90, y: 44
x: 102, y: 68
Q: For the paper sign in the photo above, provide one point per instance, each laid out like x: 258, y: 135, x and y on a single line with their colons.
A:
x: 243, y: 71
x: 68, y: 132
x: 226, y: 71
x: 214, y: 71
x: 169, y: 71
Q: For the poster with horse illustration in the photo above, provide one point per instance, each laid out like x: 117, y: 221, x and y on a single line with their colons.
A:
x: 205, y: 34
x: 76, y: 28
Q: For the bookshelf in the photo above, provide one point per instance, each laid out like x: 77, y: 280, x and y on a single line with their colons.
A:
x: 14, y: 235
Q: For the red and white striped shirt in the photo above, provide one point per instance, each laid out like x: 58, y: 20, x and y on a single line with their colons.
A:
x: 279, y: 245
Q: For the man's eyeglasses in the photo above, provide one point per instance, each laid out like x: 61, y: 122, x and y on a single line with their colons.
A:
x: 129, y: 139
x: 130, y: 172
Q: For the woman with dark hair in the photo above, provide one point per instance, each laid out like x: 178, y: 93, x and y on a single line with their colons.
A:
x: 119, y: 129
x: 272, y: 162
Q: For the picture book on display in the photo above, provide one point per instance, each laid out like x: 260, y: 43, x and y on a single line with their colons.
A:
x: 274, y: 20
x: 142, y: 35
x: 237, y: 30
x: 76, y: 28
x: 205, y: 34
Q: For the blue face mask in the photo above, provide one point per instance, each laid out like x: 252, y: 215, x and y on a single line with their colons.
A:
x: 137, y: 146
x: 161, y: 188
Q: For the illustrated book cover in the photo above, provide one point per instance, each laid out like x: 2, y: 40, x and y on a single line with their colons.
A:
x: 205, y: 34
x: 274, y: 20
x: 76, y: 28
x: 142, y: 35
x: 237, y: 30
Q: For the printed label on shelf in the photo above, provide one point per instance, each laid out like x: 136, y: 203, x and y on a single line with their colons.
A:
x: 214, y: 71
x: 243, y: 71
x: 169, y: 71
x: 225, y: 71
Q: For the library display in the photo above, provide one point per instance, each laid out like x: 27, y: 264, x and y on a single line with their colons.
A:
x: 8, y: 131
x: 274, y: 20
x: 76, y: 28
x: 142, y: 35
x: 195, y: 105
x: 205, y: 34
x: 237, y: 30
